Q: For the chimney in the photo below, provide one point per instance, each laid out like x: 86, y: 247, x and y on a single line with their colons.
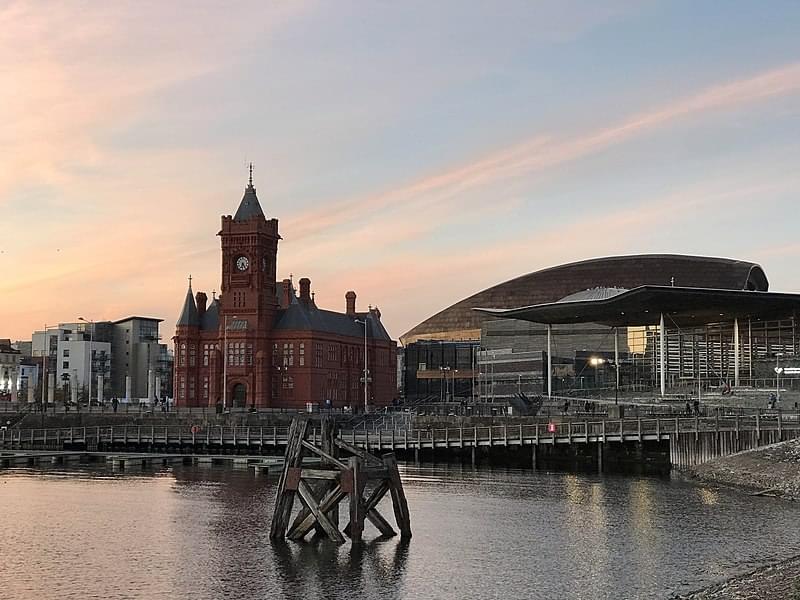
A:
x: 201, y: 299
x: 350, y: 297
x: 305, y: 290
x: 286, y: 293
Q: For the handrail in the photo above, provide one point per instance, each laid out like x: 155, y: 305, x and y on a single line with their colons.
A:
x: 495, y: 434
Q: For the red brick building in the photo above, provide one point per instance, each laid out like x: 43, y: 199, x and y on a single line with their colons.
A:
x: 282, y: 350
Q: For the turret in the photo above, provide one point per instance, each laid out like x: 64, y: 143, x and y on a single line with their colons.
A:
x: 189, y: 316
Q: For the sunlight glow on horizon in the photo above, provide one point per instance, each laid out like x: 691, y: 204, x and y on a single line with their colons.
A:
x: 415, y: 154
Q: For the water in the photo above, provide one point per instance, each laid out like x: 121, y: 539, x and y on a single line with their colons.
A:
x: 477, y: 534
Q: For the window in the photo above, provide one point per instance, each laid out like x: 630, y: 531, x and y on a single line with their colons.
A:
x: 206, y: 350
x: 205, y: 388
x: 288, y: 354
x: 191, y: 388
x: 192, y: 355
x: 331, y: 353
x: 65, y: 365
x: 182, y: 388
x: 318, y: 356
x: 66, y: 352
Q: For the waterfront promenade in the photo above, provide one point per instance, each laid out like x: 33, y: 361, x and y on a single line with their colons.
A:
x: 691, y: 440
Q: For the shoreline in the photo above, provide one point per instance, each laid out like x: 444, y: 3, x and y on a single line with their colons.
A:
x: 772, y: 470
x: 778, y: 581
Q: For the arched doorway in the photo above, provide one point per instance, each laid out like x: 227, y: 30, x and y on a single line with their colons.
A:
x: 239, y: 395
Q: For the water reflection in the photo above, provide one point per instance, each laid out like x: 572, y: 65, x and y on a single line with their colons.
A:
x: 477, y: 533
x: 319, y: 567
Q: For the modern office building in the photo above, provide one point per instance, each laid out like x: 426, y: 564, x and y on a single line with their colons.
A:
x: 124, y: 355
x: 10, y: 375
x: 137, y: 354
x: 751, y: 331
x: 437, y: 370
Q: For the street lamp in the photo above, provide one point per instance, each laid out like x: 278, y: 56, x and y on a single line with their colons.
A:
x: 778, y: 372
x: 366, y: 371
x: 596, y: 361
x: 443, y: 371
x: 91, y: 351
x: 225, y: 364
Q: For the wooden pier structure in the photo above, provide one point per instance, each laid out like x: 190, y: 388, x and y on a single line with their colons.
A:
x: 691, y: 440
x: 363, y: 481
x: 261, y: 465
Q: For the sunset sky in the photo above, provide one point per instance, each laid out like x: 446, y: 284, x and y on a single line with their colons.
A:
x: 416, y: 152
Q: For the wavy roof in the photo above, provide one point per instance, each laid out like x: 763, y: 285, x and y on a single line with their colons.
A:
x: 460, y: 321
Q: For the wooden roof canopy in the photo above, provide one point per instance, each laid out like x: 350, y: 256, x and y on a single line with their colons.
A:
x: 643, y: 305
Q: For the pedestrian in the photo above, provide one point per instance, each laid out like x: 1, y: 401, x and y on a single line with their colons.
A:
x: 688, y: 408
x: 218, y: 406
x: 697, y: 408
x: 114, y: 404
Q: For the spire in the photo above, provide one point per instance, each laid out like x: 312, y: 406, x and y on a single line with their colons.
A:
x: 189, y: 315
x: 249, y: 206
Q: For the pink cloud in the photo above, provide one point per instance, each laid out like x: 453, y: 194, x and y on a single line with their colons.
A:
x: 543, y: 152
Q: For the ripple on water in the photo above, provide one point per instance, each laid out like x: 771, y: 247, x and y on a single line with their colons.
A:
x: 485, y: 533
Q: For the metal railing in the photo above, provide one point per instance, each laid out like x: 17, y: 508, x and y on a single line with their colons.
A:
x: 572, y: 431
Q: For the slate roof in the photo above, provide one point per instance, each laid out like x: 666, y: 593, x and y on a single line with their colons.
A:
x: 210, y: 320
x: 249, y: 207
x: 189, y: 313
x: 307, y: 317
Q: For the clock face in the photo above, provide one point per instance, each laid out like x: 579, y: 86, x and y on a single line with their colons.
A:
x: 242, y: 263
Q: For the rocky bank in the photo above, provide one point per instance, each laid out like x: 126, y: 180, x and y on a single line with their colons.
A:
x: 773, y: 470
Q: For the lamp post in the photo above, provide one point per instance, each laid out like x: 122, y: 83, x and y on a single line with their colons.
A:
x: 45, y: 357
x: 444, y: 371
x: 91, y: 344
x: 778, y: 372
x: 366, y: 371
x: 472, y: 376
x: 596, y: 361
x: 225, y: 364
x: 494, y: 357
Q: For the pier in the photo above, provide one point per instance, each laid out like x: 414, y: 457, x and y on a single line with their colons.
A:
x: 690, y: 440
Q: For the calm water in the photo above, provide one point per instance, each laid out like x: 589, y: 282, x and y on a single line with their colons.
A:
x: 477, y: 534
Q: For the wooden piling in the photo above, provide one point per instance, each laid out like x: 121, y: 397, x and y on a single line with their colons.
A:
x: 322, y: 489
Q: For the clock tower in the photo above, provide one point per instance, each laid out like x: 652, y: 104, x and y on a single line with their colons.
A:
x: 248, y: 304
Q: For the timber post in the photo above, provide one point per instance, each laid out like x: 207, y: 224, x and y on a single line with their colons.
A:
x: 363, y: 480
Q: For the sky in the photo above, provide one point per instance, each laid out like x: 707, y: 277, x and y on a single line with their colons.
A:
x: 415, y: 152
